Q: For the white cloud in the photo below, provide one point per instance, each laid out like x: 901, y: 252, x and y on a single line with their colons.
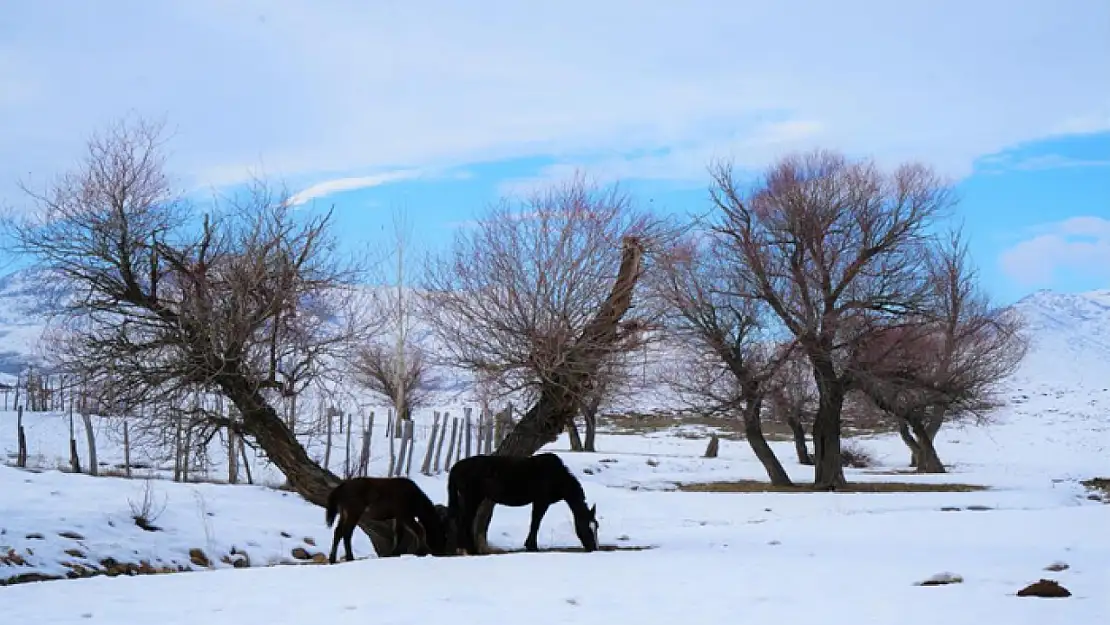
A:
x: 317, y: 90
x: 1075, y: 245
x: 339, y: 185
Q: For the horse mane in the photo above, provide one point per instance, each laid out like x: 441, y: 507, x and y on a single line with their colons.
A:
x: 572, y: 486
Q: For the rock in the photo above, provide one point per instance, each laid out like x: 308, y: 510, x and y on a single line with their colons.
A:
x: 75, y: 553
x: 308, y: 540
x: 199, y: 558
x: 319, y: 558
x: 301, y: 553
x: 1056, y: 567
x: 1046, y: 588
x: 35, y: 536
x: 942, y: 579
x: 286, y: 535
x: 12, y: 558
x: 71, y: 535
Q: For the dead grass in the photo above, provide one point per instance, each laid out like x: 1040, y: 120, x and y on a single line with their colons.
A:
x: 1099, y: 487
x: 496, y: 551
x: 728, y: 429
x: 755, y: 486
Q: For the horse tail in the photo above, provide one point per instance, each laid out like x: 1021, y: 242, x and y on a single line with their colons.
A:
x: 333, y: 503
x: 425, y: 511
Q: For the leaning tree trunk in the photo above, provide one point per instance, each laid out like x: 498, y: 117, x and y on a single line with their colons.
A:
x: 828, y: 470
x: 305, y: 476
x: 910, y: 441
x: 575, y: 437
x: 753, y: 431
x: 799, y: 432
x: 558, y: 398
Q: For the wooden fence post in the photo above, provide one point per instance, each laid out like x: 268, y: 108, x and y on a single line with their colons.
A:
x: 466, y: 411
x: 451, y: 445
x: 439, y: 443
x: 412, y: 446
x: 364, y: 457
x: 426, y: 468
x: 389, y: 434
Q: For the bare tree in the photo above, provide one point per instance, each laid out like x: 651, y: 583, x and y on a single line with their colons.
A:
x: 824, y: 241
x: 949, y: 363
x: 376, y: 366
x: 612, y: 386
x: 167, y: 304
x: 535, y: 297
x: 734, y: 358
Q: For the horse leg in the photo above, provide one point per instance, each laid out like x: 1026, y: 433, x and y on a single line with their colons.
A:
x: 335, y: 541
x: 538, y: 510
x: 421, y: 535
x: 465, y: 529
x: 348, y: 532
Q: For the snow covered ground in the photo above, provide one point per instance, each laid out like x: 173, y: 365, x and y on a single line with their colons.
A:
x: 746, y: 557
x: 753, y: 557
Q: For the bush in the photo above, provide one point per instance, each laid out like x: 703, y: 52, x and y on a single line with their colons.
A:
x: 853, y: 455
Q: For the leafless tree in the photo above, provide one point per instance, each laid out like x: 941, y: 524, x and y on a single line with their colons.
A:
x: 535, y: 295
x: 166, y: 304
x: 824, y: 241
x: 614, y: 385
x: 735, y: 359
x: 948, y: 364
x: 375, y: 367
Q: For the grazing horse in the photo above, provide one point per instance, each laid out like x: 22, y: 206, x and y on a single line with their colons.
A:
x: 381, y: 499
x: 539, y: 480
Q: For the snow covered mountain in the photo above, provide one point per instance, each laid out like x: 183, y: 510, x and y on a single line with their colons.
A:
x: 1070, y: 338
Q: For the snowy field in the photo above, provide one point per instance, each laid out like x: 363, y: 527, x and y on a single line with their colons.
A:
x: 824, y: 558
x: 753, y: 557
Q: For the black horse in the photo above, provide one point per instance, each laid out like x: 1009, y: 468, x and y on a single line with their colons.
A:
x: 539, y: 480
x: 382, y: 499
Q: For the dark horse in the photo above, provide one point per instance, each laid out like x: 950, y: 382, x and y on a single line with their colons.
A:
x: 540, y: 480
x: 384, y: 498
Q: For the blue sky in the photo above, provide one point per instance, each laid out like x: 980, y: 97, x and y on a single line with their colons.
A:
x: 438, y: 108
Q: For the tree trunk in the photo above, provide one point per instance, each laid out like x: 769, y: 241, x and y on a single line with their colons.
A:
x: 90, y: 438
x: 928, y: 459
x: 799, y: 432
x: 575, y: 437
x: 910, y: 441
x: 753, y: 431
x: 306, y: 477
x: 589, y: 415
x: 828, y: 473
x: 557, y: 402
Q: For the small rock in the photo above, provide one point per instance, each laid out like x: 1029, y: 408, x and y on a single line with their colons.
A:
x: 301, y: 553
x: 319, y: 558
x: 1056, y: 567
x: 76, y: 553
x: 978, y: 508
x: 951, y: 509
x: 942, y: 579
x: 71, y: 535
x: 775, y: 542
x: 1044, y: 588
x: 308, y: 540
x: 199, y: 558
x: 286, y: 535
x: 35, y: 536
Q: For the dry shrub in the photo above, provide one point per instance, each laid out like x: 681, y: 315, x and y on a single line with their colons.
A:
x: 854, y: 455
